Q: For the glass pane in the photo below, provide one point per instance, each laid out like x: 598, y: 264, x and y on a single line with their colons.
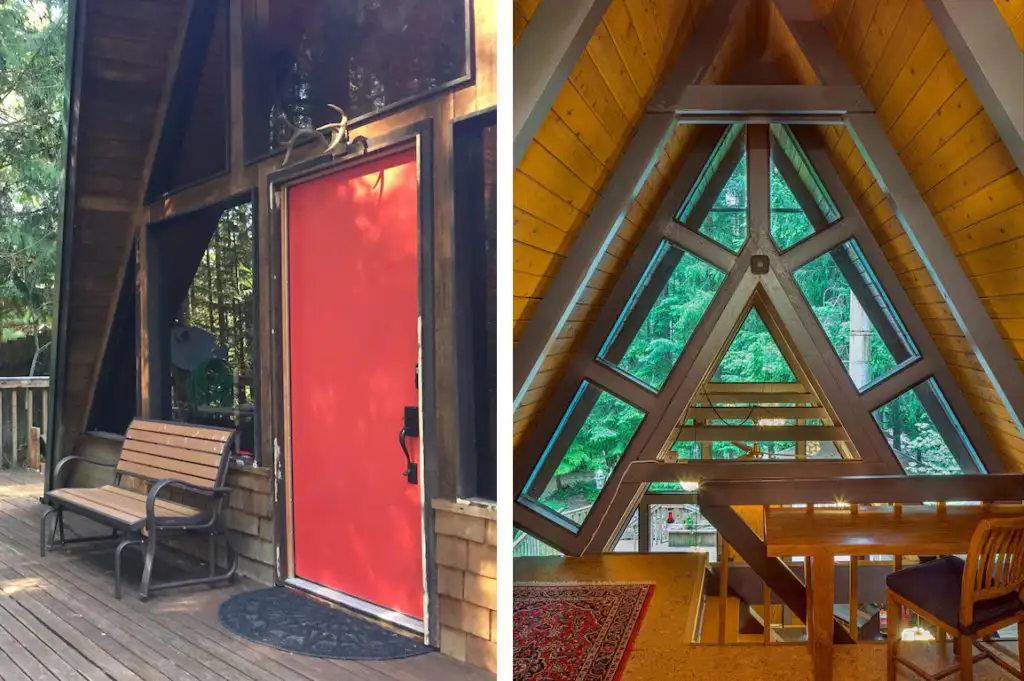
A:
x: 661, y: 316
x: 717, y: 157
x: 588, y: 444
x: 212, y: 350
x: 753, y: 356
x: 303, y: 55
x: 682, y: 529
x: 791, y: 148
x: 629, y: 540
x: 855, y: 314
x: 923, y: 432
x: 789, y: 225
x: 525, y: 544
x: 726, y: 222
x: 673, y: 487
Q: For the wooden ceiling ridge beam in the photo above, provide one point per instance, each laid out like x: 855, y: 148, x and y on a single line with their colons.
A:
x: 139, y: 211
x: 619, y: 192
x: 804, y: 100
x: 544, y: 57
x: 987, y: 52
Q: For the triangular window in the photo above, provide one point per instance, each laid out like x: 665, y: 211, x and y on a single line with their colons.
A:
x: 526, y: 545
x: 753, y: 356
x: 784, y: 144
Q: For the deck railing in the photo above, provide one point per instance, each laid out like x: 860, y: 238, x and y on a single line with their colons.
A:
x: 24, y: 401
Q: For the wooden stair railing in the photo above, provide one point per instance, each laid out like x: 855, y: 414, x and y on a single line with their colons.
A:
x: 775, y: 573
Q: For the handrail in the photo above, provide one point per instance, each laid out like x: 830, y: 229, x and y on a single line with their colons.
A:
x: 878, y: 489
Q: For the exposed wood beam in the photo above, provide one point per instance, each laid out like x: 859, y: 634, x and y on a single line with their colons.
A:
x: 556, y: 536
x: 701, y: 413
x: 881, y: 489
x: 707, y: 397
x: 985, y: 49
x: 941, y: 262
x: 914, y: 215
x: 758, y: 387
x: 618, y: 194
x: 544, y: 56
x: 812, y: 100
x: 760, y: 118
x: 699, y: 470
x: 761, y: 433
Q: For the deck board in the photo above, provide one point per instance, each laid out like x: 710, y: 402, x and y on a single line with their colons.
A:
x: 59, y: 620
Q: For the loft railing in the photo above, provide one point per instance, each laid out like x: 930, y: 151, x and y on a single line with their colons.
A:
x: 24, y: 401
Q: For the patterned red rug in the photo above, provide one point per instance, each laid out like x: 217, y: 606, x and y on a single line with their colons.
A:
x: 575, y: 631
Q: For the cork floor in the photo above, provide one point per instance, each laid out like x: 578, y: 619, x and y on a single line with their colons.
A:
x: 663, y: 648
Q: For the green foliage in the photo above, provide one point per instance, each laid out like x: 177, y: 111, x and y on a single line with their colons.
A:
x: 912, y: 434
x: 726, y: 222
x: 753, y: 357
x: 672, y: 320
x: 32, y: 55
x: 789, y: 225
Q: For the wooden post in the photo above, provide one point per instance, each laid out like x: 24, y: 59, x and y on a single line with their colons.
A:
x: 767, y: 593
x: 29, y: 409
x: 705, y: 447
x: 14, y: 428
x: 854, y: 603
x: 46, y: 407
x: 33, y: 448
x: 723, y: 592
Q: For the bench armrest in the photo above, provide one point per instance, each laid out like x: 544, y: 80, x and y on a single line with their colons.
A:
x: 154, y: 491
x: 63, y: 462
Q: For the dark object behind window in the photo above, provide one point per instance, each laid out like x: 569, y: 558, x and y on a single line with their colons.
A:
x: 204, y: 297
x: 475, y: 152
x: 362, y: 55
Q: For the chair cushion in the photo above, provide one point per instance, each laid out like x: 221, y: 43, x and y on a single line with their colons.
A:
x: 935, y: 587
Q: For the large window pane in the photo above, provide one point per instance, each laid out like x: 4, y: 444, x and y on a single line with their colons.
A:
x: 585, y: 449
x: 753, y: 356
x: 855, y: 314
x: 718, y: 156
x: 670, y: 301
x: 726, y: 222
x: 789, y: 223
x: 365, y: 57
x: 629, y: 540
x: 923, y: 432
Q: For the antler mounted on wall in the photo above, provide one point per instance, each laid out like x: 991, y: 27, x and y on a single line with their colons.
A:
x: 339, y: 144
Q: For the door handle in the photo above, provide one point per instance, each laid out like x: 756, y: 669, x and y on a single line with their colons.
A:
x: 410, y: 428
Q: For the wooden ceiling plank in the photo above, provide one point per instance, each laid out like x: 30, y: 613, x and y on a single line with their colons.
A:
x: 618, y: 194
x: 988, y: 54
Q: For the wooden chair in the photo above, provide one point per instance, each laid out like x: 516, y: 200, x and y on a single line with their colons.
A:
x: 161, y: 456
x: 968, y: 599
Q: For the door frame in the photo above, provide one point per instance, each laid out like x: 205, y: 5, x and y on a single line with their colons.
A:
x: 418, y: 136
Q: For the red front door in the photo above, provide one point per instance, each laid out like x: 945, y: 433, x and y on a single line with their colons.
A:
x: 352, y: 295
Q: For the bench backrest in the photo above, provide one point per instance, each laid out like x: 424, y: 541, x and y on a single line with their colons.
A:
x: 198, y: 455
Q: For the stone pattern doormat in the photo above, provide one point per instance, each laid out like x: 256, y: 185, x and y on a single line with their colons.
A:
x: 574, y: 631
x: 286, y: 620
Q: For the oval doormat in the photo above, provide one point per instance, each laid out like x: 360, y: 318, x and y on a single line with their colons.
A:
x: 283, y: 619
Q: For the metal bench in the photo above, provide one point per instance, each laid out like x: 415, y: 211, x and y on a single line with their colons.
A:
x: 163, y: 456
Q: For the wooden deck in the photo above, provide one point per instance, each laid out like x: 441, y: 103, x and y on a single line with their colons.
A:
x: 59, y: 621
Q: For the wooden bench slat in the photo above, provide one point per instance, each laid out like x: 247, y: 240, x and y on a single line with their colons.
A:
x: 167, y: 463
x: 179, y: 441
x: 75, y: 496
x: 163, y: 506
x: 160, y: 473
x: 176, y: 453
x: 184, y: 430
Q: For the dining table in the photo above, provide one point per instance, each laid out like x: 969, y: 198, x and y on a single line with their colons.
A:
x: 821, y: 534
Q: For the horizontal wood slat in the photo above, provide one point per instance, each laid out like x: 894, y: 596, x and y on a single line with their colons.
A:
x: 78, y: 496
x: 184, y: 430
x: 207, y: 473
x: 184, y: 455
x: 163, y: 506
x: 761, y: 434
x: 159, y: 473
x: 197, y: 445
